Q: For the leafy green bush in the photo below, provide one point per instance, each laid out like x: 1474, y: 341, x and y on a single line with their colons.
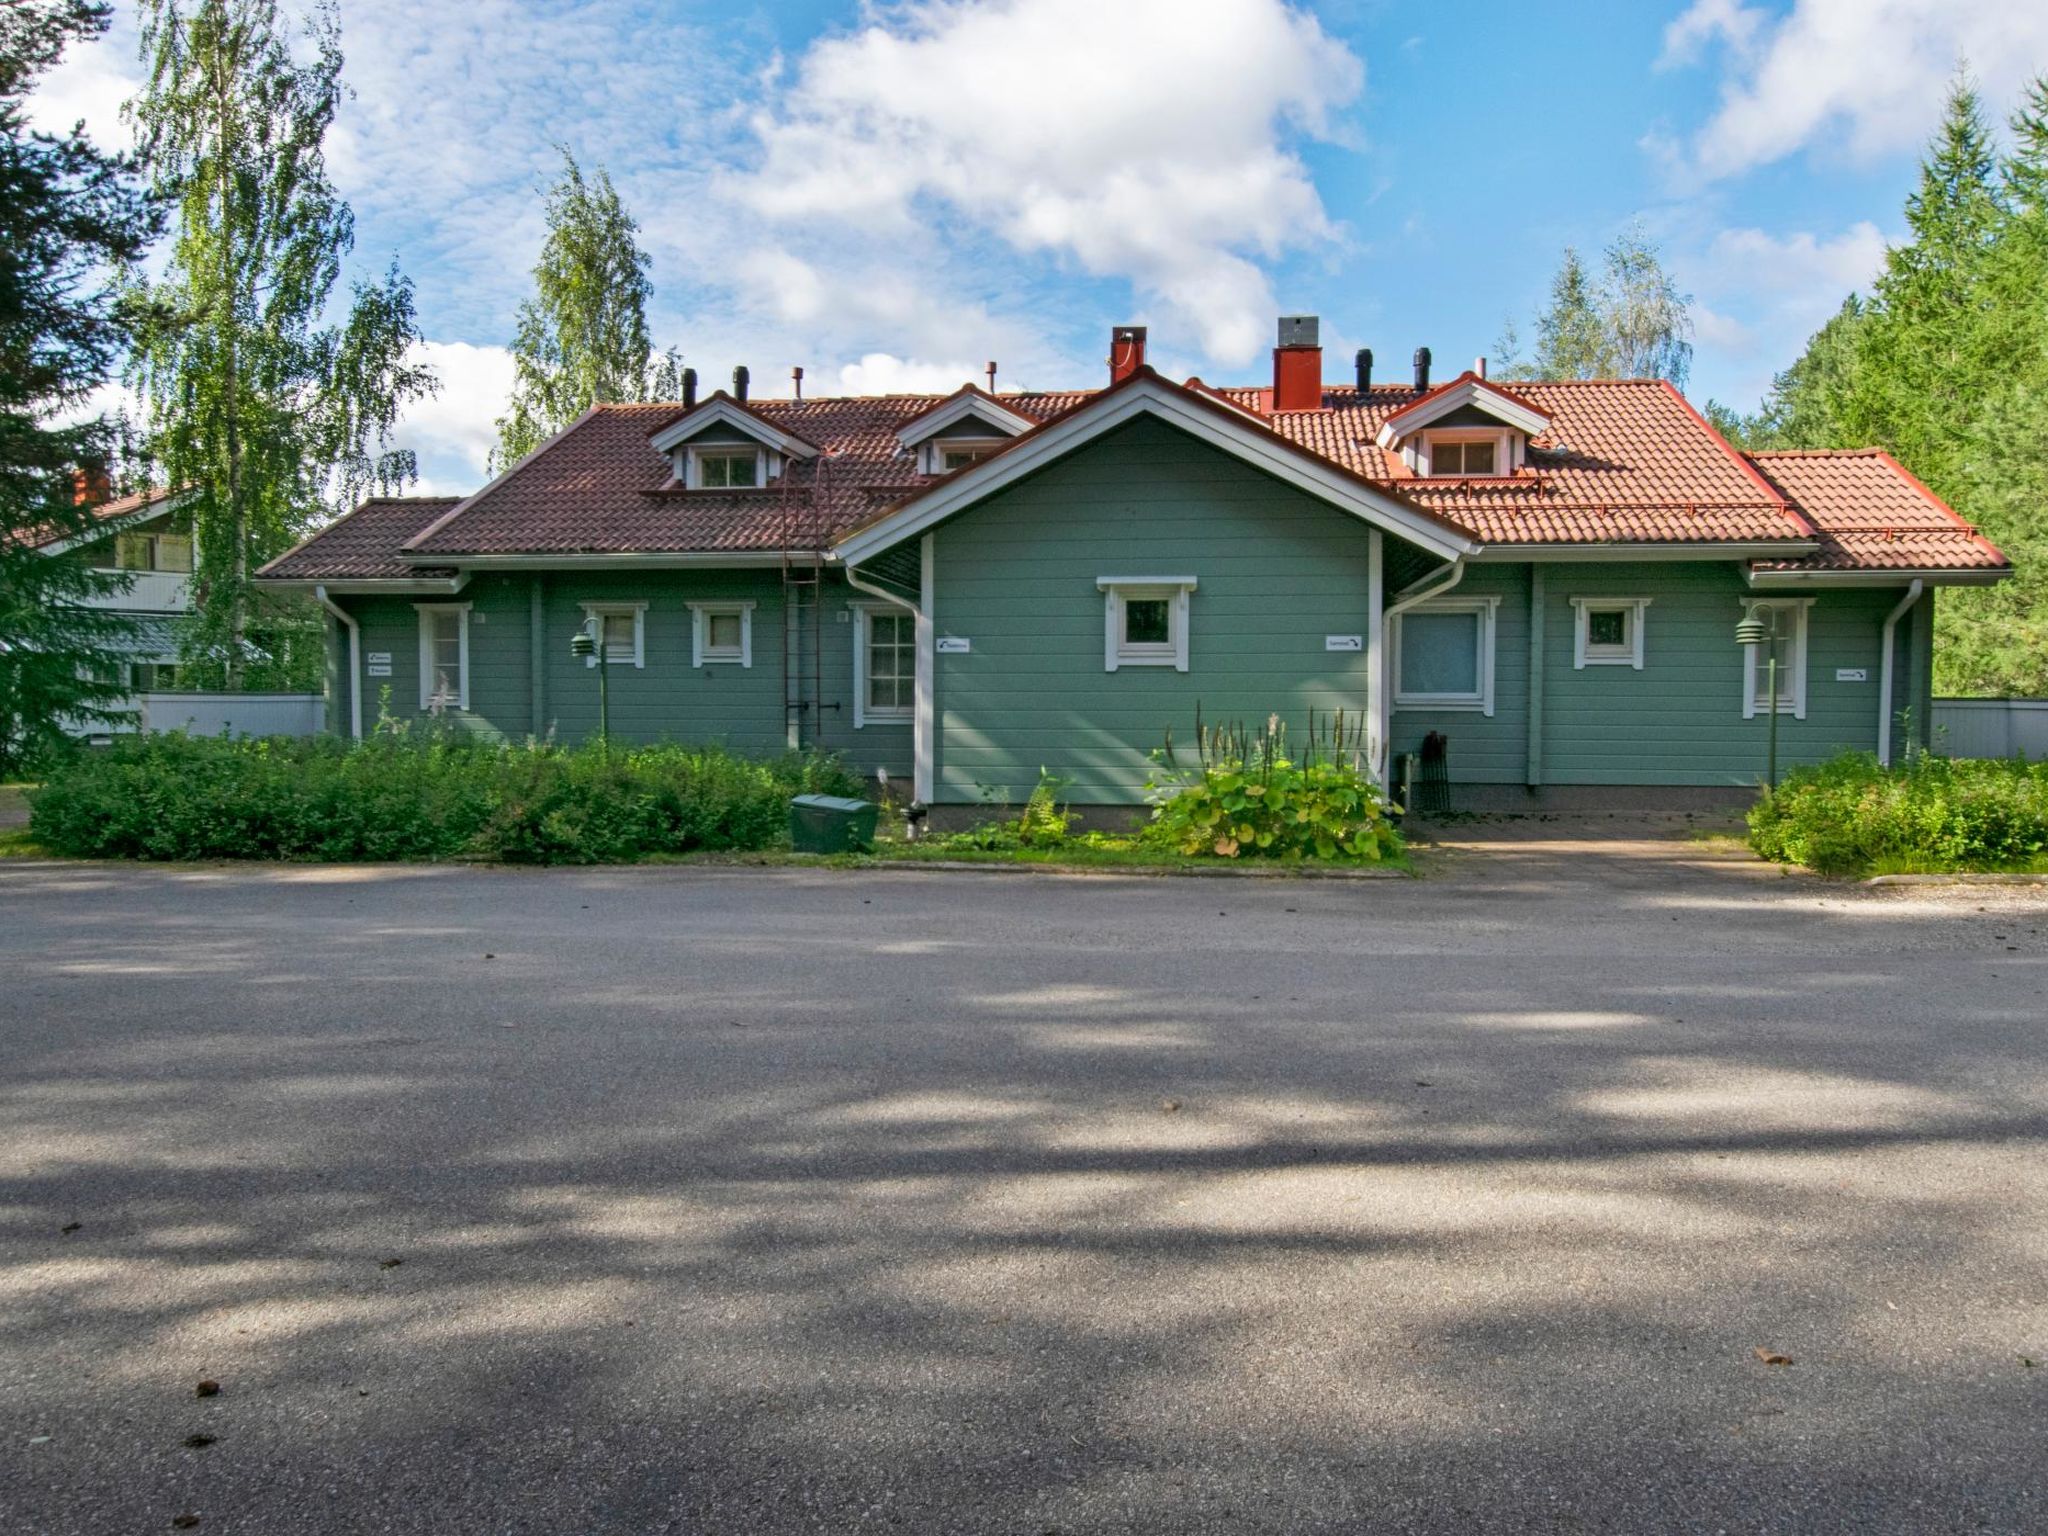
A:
x: 1251, y: 797
x: 1851, y: 815
x: 427, y: 796
x: 1042, y: 824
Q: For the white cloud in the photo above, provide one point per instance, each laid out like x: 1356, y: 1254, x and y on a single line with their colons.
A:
x: 89, y: 84
x: 878, y: 373
x: 453, y: 432
x: 1146, y: 140
x: 1861, y: 77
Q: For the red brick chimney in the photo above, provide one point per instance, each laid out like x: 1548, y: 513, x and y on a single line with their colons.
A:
x: 1298, y: 365
x: 1126, y: 352
x: 90, y: 487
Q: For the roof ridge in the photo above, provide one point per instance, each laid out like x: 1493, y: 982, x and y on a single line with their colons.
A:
x: 1871, y: 451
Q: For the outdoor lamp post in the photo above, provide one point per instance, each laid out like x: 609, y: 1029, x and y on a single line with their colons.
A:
x: 1753, y: 631
x: 585, y: 645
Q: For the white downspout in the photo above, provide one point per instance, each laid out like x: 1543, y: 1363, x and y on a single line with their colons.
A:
x: 1383, y: 725
x: 1884, y: 673
x: 355, y: 660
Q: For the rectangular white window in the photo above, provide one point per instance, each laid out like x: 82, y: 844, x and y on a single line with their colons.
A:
x: 727, y: 469
x: 153, y: 552
x: 622, y: 629
x: 1145, y: 621
x: 885, y: 667
x: 954, y: 456
x: 1443, y: 655
x: 444, y: 656
x: 1787, y: 644
x: 1462, y: 458
x: 1608, y: 631
x: 721, y: 634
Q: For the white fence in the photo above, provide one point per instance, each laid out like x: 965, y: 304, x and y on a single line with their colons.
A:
x: 1991, y: 727
x: 232, y: 714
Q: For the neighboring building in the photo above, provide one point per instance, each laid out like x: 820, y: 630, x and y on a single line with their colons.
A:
x: 147, y: 538
x: 965, y: 589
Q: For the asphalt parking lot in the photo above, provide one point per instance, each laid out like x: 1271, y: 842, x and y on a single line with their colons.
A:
x: 677, y: 1200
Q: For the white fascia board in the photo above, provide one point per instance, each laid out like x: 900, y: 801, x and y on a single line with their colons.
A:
x: 1471, y: 392
x: 369, y: 586
x: 1765, y: 581
x: 726, y: 413
x: 121, y: 524
x: 705, y: 560
x: 1150, y: 398
x: 1776, y: 549
x: 1005, y: 421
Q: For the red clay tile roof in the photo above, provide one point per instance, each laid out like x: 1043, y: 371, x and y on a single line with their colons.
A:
x: 363, y: 545
x: 106, y: 512
x: 1873, y: 515
x: 1622, y: 461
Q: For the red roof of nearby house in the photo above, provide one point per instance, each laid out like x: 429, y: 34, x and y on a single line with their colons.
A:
x: 1621, y: 462
x: 1871, y: 514
x: 117, y: 510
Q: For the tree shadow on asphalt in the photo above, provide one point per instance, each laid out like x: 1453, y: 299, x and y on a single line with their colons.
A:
x: 819, y: 1205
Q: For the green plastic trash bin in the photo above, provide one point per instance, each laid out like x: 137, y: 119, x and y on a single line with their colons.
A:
x: 827, y: 824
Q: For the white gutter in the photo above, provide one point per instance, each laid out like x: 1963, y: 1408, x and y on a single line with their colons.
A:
x: 1384, y: 690
x: 355, y: 660
x: 1884, y: 672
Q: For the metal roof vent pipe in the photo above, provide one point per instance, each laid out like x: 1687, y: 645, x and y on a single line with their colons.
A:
x: 1479, y: 366
x: 1364, y: 361
x: 739, y: 383
x: 689, y: 389
x: 1421, y: 370
x: 796, y: 382
x: 1126, y: 352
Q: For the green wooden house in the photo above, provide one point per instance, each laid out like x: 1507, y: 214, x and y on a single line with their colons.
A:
x: 963, y: 590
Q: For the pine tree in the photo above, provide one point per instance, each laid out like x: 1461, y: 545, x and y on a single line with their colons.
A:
x: 583, y: 336
x: 1571, y: 342
x: 1809, y: 402
x: 272, y: 415
x: 67, y: 212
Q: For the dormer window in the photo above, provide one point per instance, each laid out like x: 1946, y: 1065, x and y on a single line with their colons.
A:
x: 726, y: 469
x: 948, y: 455
x: 959, y: 431
x: 1465, y: 456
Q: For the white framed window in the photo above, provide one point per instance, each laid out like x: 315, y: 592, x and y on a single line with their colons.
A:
x: 943, y: 455
x: 1787, y: 618
x: 735, y: 467
x: 721, y: 634
x: 621, y: 628
x: 1443, y: 655
x: 1469, y: 455
x: 444, y: 656
x: 1145, y: 622
x: 1608, y: 631
x: 153, y: 552
x: 884, y: 665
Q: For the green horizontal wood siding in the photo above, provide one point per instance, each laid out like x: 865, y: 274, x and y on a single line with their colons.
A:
x: 1016, y: 575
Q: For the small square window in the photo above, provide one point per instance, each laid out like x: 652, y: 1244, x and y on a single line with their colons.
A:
x: 1607, y: 627
x: 1609, y: 631
x: 721, y: 633
x: 1147, y: 622
x: 724, y: 632
x: 621, y: 628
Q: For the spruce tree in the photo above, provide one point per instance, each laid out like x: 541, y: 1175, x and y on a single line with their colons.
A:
x: 67, y: 213
x: 1571, y: 342
x: 582, y: 337
x: 270, y: 413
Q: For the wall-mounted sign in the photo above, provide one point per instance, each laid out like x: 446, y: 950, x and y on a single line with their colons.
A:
x: 379, y: 669
x: 379, y: 658
x: 1852, y: 674
x: 954, y: 645
x: 1343, y: 642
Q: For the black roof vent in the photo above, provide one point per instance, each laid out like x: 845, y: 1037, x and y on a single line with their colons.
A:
x: 1365, y: 370
x: 1421, y: 370
x: 739, y: 384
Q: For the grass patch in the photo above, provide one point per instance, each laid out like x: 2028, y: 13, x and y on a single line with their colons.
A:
x: 1927, y: 816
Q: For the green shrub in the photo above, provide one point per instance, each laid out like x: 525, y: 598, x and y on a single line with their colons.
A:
x: 1851, y: 815
x: 1043, y: 824
x: 1250, y: 797
x: 432, y: 795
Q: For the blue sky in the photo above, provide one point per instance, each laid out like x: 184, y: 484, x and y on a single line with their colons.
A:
x: 890, y: 195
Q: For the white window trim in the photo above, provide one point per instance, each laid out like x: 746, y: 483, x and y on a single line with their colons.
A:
x: 1119, y: 590
x: 1629, y: 653
x: 1795, y: 706
x: 1480, y: 702
x: 863, y: 715
x: 614, y: 610
x: 1506, y: 458
x: 701, y: 654
x: 933, y: 451
x: 426, y: 611
x: 695, y: 454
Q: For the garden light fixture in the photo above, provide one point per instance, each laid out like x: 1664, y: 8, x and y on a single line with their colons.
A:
x: 585, y: 644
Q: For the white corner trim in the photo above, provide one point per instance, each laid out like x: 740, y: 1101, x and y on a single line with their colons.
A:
x: 1480, y: 702
x: 1796, y: 705
x: 1217, y: 426
x: 1119, y: 590
x: 863, y: 619
x: 614, y: 610
x: 721, y: 411
x: 701, y: 653
x: 962, y: 407
x: 426, y: 612
x: 925, y: 726
x: 1629, y: 653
